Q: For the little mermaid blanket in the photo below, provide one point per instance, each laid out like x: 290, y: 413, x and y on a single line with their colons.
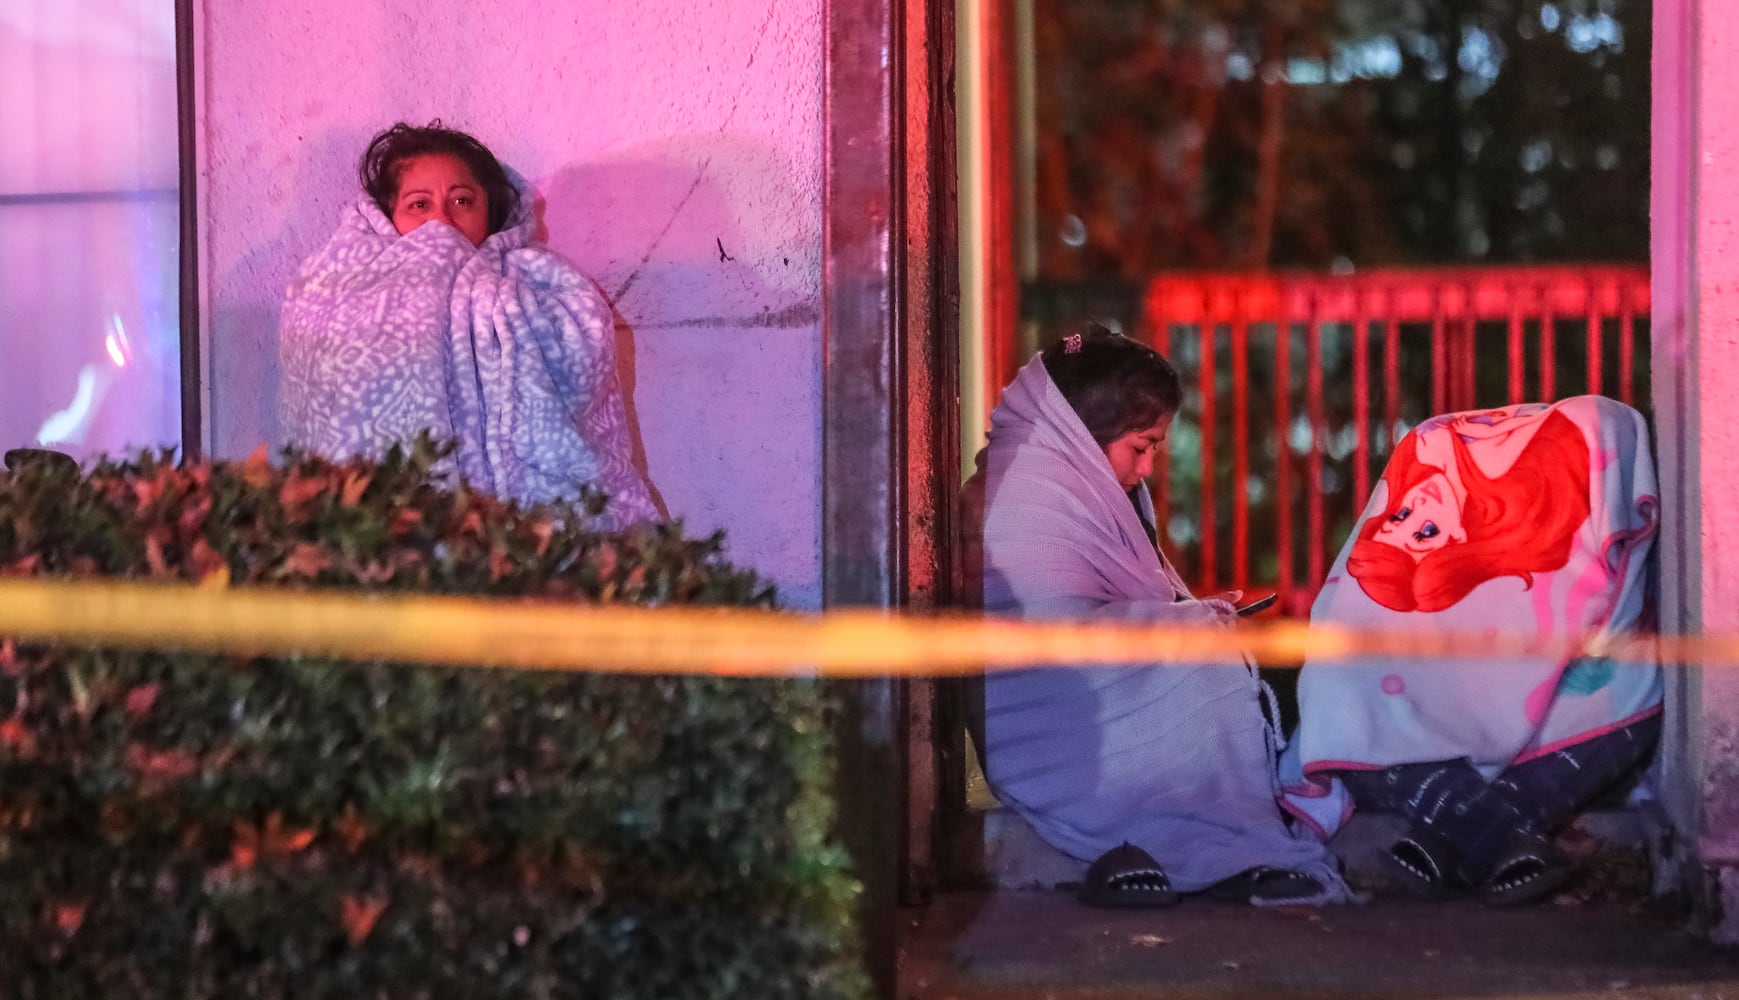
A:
x: 1534, y: 519
x: 504, y: 348
x: 1175, y: 758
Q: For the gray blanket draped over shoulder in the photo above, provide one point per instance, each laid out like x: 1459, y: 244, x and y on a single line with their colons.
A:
x: 505, y: 348
x: 1175, y: 758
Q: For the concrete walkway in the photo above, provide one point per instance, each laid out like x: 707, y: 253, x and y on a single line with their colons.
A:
x: 1041, y: 945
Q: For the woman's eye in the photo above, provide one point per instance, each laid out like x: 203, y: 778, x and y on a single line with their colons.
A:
x: 1426, y: 530
x: 462, y: 200
x: 1401, y: 515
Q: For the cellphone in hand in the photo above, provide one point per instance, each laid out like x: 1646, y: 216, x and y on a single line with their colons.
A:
x: 1259, y: 604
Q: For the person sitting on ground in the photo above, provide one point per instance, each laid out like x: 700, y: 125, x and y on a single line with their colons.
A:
x: 1531, y: 519
x: 431, y: 309
x: 1161, y: 774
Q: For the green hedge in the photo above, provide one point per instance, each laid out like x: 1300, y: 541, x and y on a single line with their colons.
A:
x: 194, y: 826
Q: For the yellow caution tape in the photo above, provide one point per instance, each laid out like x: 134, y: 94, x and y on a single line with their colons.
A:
x: 539, y: 635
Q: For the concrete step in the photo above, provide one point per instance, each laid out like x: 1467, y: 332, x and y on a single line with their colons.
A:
x: 1045, y: 946
x: 1016, y: 858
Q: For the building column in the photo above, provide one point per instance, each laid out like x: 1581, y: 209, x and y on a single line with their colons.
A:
x: 1695, y: 354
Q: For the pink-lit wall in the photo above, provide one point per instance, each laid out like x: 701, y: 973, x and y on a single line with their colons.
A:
x: 89, y: 332
x: 677, y: 144
x: 1716, y: 303
x: 1695, y: 207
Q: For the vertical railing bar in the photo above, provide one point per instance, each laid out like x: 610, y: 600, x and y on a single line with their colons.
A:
x: 1391, y: 386
x: 1162, y: 455
x: 1466, y: 372
x: 1361, y: 406
x: 1518, y: 374
x: 1439, y: 362
x: 1283, y: 541
x: 1596, y: 346
x: 1548, y: 351
x: 1240, y: 451
x: 1626, y: 351
x: 1209, y: 328
x: 1318, y: 427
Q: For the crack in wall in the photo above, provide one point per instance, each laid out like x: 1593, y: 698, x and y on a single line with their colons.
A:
x: 791, y: 317
x: 701, y: 172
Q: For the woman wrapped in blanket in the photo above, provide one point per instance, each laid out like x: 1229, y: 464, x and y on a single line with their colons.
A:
x: 1162, y: 775
x: 430, y: 309
x: 1532, y: 519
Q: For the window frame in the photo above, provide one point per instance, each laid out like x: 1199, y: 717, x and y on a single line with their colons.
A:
x: 190, y: 326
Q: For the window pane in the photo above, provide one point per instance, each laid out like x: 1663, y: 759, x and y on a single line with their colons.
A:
x: 89, y: 233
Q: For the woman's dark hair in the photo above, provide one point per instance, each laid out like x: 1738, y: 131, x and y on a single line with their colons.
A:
x: 1114, y: 384
x: 390, y: 151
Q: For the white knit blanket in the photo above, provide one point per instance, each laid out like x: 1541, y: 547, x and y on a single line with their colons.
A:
x: 1176, y: 759
x: 504, y: 348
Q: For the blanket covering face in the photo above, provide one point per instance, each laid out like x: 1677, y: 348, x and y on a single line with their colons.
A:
x: 504, y: 348
x: 1535, y: 519
x: 1176, y: 759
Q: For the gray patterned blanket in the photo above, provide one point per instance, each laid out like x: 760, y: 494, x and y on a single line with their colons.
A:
x: 504, y: 348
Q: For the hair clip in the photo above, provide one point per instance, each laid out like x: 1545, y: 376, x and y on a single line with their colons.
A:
x: 1072, y: 344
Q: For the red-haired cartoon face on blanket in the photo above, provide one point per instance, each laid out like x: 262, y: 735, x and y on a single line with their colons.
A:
x: 1527, y: 521
x: 1473, y: 497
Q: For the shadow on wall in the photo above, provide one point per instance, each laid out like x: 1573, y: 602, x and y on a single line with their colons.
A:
x: 693, y: 233
x: 710, y: 255
x: 246, y: 300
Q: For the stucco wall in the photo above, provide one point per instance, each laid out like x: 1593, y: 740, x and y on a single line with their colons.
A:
x: 1716, y: 300
x: 1695, y: 207
x: 677, y: 144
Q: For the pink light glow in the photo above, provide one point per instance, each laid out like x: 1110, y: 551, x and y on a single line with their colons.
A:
x: 89, y: 231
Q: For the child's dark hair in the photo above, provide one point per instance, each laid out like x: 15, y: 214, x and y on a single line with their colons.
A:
x: 1114, y: 384
x: 384, y: 163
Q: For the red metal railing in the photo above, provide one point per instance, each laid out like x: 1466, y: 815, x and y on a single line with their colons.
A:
x: 1437, y: 330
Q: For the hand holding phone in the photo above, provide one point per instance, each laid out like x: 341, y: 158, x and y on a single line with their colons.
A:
x: 1259, y: 604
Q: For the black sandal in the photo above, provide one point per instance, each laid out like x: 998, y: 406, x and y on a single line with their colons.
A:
x: 1126, y: 876
x: 1264, y: 885
x: 1532, y: 869
x: 1425, y: 864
